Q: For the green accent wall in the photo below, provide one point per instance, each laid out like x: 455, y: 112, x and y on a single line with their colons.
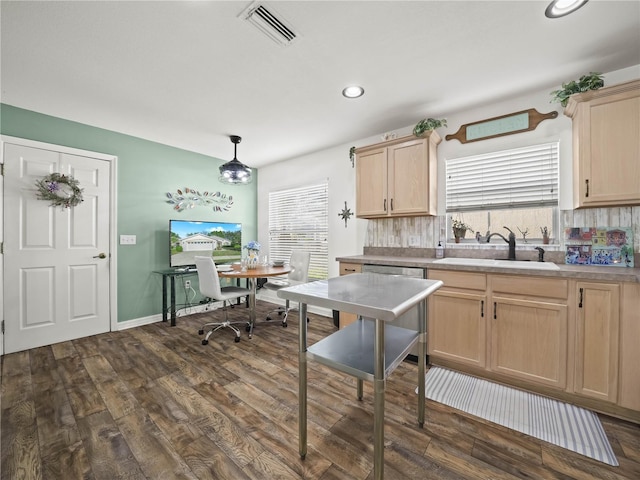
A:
x: 146, y: 172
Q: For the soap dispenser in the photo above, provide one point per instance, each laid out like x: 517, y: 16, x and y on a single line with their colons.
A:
x: 439, y: 250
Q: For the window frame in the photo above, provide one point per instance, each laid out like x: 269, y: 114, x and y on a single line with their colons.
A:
x: 299, y: 220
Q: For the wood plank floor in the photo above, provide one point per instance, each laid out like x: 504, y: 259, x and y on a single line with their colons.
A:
x: 153, y: 403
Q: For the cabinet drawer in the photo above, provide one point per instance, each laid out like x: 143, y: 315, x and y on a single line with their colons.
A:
x: 451, y: 279
x: 348, y: 268
x: 531, y: 286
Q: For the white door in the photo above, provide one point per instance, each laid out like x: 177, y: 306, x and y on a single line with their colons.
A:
x: 56, y: 285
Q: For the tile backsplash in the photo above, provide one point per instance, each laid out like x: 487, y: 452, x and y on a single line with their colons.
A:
x: 425, y: 232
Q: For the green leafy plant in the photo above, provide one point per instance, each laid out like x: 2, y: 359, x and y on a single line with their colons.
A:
x: 427, y: 124
x: 592, y: 81
x: 460, y: 228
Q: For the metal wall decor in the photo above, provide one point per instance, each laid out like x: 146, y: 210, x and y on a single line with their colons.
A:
x: 59, y: 190
x: 345, y: 214
x: 190, y: 198
x: 509, y: 124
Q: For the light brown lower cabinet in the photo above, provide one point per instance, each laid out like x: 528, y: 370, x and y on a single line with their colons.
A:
x: 347, y: 269
x: 629, y: 366
x: 597, y: 339
x: 529, y: 340
x: 576, y: 340
x: 457, y: 318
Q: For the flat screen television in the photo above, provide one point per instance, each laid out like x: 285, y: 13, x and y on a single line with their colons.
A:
x: 191, y: 238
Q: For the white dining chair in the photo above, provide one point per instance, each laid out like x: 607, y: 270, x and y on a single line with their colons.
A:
x: 210, y: 288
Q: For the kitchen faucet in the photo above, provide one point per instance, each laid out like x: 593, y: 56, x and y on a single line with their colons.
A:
x: 511, y: 241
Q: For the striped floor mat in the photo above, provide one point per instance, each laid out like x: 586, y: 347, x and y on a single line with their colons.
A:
x: 561, y: 424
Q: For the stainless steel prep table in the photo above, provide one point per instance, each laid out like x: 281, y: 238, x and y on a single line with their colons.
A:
x: 368, y: 349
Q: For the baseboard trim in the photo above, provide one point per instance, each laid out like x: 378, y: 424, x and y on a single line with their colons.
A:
x: 138, y: 322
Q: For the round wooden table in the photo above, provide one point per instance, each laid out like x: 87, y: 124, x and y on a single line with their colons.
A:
x: 252, y: 275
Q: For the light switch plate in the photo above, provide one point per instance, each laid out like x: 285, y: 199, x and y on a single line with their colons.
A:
x: 127, y: 239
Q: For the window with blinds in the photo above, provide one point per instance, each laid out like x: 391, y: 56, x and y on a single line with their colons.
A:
x: 299, y: 220
x: 517, y: 178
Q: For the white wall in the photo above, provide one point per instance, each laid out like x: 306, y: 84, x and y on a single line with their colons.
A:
x: 334, y: 164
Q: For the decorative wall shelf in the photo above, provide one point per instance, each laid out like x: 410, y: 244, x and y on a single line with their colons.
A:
x: 509, y: 124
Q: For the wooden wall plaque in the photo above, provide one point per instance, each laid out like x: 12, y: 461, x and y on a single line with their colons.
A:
x: 509, y: 124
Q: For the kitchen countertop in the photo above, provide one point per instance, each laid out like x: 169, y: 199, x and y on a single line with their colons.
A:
x: 609, y: 274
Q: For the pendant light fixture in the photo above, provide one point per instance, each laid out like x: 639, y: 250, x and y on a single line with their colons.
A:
x: 235, y: 172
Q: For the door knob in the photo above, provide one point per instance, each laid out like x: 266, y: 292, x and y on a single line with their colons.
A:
x: 101, y: 255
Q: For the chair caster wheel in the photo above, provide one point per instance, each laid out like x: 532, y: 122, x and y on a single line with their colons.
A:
x: 200, y: 332
x: 268, y: 318
x: 280, y: 313
x: 247, y: 328
x: 205, y: 342
x: 237, y: 339
x: 284, y: 324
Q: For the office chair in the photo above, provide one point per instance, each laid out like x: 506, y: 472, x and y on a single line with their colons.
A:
x: 210, y: 287
x: 299, y: 273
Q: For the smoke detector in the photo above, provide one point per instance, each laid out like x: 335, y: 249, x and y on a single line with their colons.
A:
x: 266, y: 20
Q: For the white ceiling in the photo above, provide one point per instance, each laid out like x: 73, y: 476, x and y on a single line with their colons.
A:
x: 191, y: 73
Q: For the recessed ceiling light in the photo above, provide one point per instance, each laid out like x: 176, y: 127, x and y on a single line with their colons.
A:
x: 560, y: 8
x: 353, y: 91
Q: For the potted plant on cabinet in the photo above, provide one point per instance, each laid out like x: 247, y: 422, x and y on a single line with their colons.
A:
x: 428, y: 124
x: 459, y: 229
x: 592, y: 81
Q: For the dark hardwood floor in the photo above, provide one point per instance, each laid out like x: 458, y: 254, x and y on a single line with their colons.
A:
x: 153, y: 403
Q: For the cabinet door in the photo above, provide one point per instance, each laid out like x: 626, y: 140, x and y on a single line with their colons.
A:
x: 456, y: 327
x: 371, y: 183
x: 529, y: 340
x: 607, y: 147
x: 597, y: 333
x: 629, y: 366
x: 408, y: 178
x: 347, y: 269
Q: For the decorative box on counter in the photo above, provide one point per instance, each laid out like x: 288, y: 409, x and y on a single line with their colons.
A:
x: 607, y: 246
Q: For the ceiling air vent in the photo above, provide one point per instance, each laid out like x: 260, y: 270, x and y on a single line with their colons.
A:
x: 265, y: 20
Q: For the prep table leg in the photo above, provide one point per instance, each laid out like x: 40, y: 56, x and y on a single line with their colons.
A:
x: 422, y: 354
x: 378, y: 402
x: 302, y: 379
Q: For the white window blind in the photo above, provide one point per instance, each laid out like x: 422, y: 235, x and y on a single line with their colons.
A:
x: 521, y: 177
x: 299, y: 220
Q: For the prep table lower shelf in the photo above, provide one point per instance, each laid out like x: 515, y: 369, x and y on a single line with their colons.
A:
x: 351, y: 350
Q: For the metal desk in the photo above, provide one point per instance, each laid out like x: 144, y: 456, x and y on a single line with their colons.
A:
x: 171, y: 274
x: 368, y: 349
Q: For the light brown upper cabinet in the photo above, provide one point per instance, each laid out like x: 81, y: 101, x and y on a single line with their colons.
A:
x: 397, y: 177
x: 606, y: 146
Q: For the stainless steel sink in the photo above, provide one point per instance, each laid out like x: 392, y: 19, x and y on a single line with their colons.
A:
x: 490, y: 262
